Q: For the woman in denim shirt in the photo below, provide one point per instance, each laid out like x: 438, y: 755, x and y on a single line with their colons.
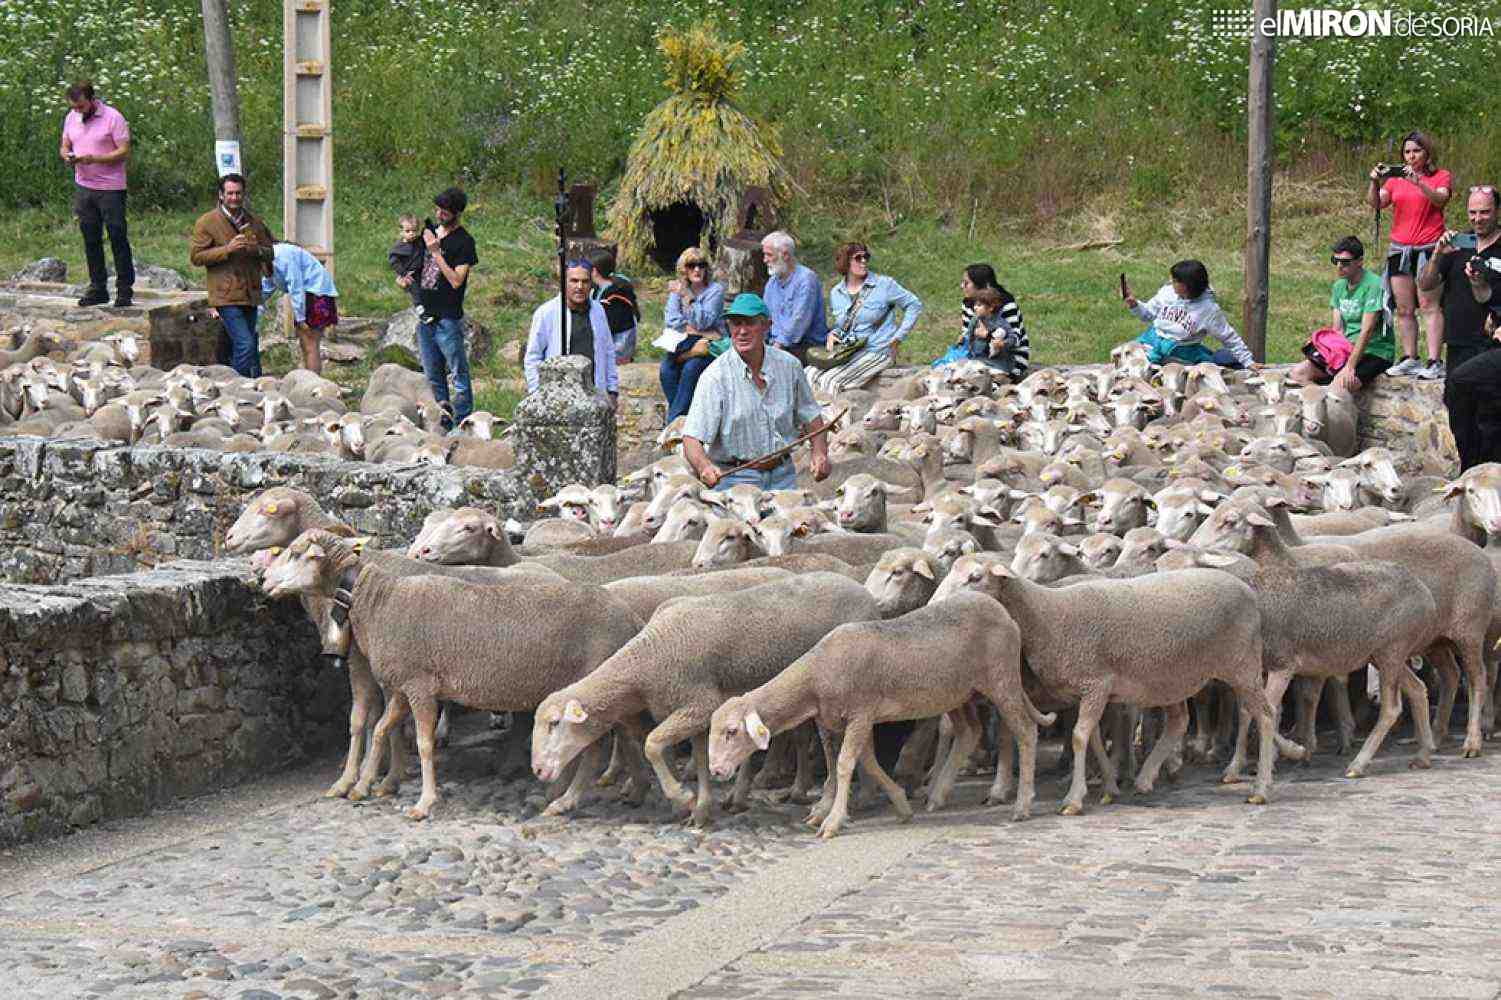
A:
x: 876, y: 323
x: 695, y: 306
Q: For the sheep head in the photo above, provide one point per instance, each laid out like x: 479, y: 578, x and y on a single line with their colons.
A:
x: 735, y: 732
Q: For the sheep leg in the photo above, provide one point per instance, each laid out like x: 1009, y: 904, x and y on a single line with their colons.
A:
x: 1474, y: 664
x: 617, y: 762
x: 390, y: 721
x: 631, y: 735
x: 966, y: 727
x: 1338, y: 689
x: 1172, y: 732
x: 1417, y: 695
x: 825, y: 803
x: 1023, y: 727
x: 778, y: 765
x: 1306, y: 694
x: 442, y: 732
x: 805, y: 736
x: 1277, y: 682
x: 364, y: 696
x: 856, y: 738
x: 942, y: 744
x: 391, y: 783
x: 585, y: 772
x: 1005, y: 759
x: 1442, y: 660
x: 1085, y: 737
x: 1253, y: 702
x: 680, y: 725
x: 878, y: 776
x: 1199, y: 746
x: 738, y: 800
x: 425, y: 715
x: 1224, y: 734
x: 1109, y: 791
x: 910, y: 763
x: 1391, y: 710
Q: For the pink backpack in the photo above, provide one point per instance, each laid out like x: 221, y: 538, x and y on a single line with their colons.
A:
x: 1329, y: 349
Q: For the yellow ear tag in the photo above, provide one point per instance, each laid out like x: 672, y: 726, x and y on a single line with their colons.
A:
x: 1233, y: 470
x: 574, y: 712
x: 270, y: 508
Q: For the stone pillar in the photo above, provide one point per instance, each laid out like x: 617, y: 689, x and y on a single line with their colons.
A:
x: 565, y: 431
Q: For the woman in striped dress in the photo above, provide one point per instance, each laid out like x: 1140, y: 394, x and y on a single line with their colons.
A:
x: 863, y: 306
x: 978, y: 276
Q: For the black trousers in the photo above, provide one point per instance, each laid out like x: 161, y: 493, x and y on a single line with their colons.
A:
x: 1472, y: 393
x: 100, y: 212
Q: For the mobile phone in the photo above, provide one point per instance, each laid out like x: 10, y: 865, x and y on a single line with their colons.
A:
x: 1124, y: 294
x: 1464, y: 241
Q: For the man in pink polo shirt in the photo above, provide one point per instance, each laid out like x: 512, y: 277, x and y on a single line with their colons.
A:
x: 96, y: 141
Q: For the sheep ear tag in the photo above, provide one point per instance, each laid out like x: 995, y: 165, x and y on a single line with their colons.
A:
x: 269, y: 508
x: 758, y: 731
x: 574, y: 712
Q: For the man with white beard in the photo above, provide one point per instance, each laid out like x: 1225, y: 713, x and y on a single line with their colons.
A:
x: 793, y: 297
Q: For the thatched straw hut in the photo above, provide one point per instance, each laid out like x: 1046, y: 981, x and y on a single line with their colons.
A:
x: 694, y: 156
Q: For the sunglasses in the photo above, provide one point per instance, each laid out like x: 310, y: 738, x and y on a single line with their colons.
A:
x: 696, y: 263
x: 861, y: 257
x: 580, y: 263
x: 1342, y: 261
x: 1482, y: 188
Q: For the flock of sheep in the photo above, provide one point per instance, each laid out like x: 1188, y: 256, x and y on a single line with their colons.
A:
x: 100, y: 391
x: 1156, y: 555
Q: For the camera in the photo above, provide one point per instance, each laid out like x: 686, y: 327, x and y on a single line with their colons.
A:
x: 1490, y: 267
x: 1388, y: 171
x: 1464, y: 241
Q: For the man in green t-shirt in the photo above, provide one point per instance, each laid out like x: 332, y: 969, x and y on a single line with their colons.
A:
x: 1355, y: 302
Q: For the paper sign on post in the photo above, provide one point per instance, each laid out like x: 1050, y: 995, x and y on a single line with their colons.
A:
x: 227, y: 157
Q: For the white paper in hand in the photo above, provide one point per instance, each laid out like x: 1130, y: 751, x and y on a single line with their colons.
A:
x: 670, y: 340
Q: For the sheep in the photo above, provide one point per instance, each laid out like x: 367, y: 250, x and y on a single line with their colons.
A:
x: 860, y: 675
x: 1476, y: 516
x: 1086, y: 643
x: 467, y: 536
x: 1099, y: 550
x: 1123, y: 505
x: 644, y: 594
x: 948, y: 546
x: 862, y: 502
x: 468, y: 451
x: 693, y: 654
x: 429, y: 638
x: 555, y: 532
x: 638, y: 560
x: 1327, y: 621
x: 686, y: 519
x: 1330, y: 415
x: 903, y: 580
x: 480, y: 424
x: 775, y: 534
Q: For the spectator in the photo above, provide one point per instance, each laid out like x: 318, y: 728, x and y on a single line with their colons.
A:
x: 978, y: 276
x: 1470, y: 281
x: 236, y: 249
x: 988, y: 338
x: 793, y: 297
x: 587, y: 334
x: 1417, y: 199
x: 405, y: 258
x: 751, y: 402
x: 311, y: 292
x: 616, y: 293
x: 450, y: 253
x: 1357, y: 311
x: 864, y: 308
x: 695, y: 309
x: 96, y: 141
x: 1182, y: 314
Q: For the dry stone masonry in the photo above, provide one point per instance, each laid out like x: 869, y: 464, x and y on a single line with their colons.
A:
x: 121, y: 692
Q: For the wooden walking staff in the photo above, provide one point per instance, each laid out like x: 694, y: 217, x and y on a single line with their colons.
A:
x: 785, y: 449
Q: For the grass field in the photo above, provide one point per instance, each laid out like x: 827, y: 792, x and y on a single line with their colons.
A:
x: 1067, y: 295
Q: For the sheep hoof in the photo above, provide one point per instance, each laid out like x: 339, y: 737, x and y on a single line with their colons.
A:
x: 1256, y: 800
x: 730, y: 805
x: 336, y: 791
x: 830, y: 828
x: 997, y: 800
x: 558, y: 807
x: 779, y: 794
x: 1106, y: 798
x: 418, y: 811
x: 387, y: 789
x: 1231, y: 779
x: 1355, y: 772
x: 1420, y: 763
x: 1018, y: 814
x: 1471, y: 752
x: 1070, y: 809
x: 359, y: 793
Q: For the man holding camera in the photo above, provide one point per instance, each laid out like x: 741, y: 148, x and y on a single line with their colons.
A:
x: 96, y: 144
x: 440, y: 288
x: 1467, y: 266
x: 236, y: 248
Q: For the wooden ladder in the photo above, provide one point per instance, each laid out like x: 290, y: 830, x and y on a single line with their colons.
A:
x: 308, y: 150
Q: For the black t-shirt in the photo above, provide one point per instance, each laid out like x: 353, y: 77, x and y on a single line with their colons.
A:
x: 619, y: 300
x: 580, y: 340
x: 439, y: 299
x: 1464, y: 318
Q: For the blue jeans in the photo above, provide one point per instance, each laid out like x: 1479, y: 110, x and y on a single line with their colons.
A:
x: 244, y: 340
x: 679, y: 382
x: 441, y: 342
x: 783, y: 477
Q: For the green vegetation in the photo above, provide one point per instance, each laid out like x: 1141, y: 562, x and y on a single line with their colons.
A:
x: 942, y: 132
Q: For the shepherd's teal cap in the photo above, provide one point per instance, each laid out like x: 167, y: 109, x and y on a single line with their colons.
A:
x: 747, y: 304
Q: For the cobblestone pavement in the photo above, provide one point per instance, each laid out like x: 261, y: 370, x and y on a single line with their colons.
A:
x: 1385, y: 887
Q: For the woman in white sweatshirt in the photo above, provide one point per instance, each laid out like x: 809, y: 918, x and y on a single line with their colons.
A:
x: 1182, y: 314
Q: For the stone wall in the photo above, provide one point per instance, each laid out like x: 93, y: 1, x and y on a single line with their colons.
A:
x: 122, y: 692
x: 1408, y: 416
x: 78, y: 508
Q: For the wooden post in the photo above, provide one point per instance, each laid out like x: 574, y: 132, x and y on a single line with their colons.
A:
x: 1258, y: 181
x: 219, y: 55
x: 307, y: 114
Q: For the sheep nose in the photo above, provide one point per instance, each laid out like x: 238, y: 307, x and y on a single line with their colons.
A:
x: 424, y: 552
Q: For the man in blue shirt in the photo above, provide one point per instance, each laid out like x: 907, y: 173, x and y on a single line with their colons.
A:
x: 793, y: 297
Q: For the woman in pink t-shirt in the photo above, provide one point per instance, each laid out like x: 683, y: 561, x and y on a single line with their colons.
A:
x: 1417, y: 199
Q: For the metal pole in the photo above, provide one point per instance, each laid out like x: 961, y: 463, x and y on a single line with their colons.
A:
x: 219, y: 54
x: 1258, y: 180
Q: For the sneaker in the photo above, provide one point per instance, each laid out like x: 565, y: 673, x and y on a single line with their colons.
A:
x: 1433, y: 371
x: 94, y: 297
x: 124, y: 300
x: 1405, y: 368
